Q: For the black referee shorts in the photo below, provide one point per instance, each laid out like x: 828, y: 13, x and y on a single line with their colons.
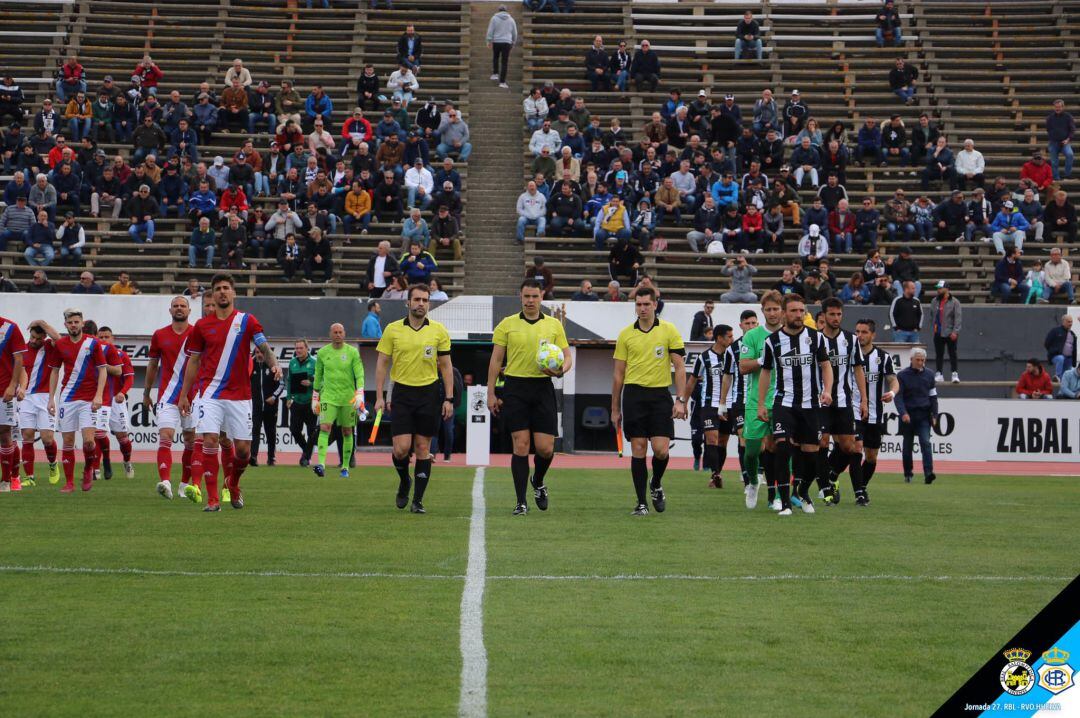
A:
x: 870, y: 433
x: 415, y: 410
x: 529, y: 404
x: 801, y: 426
x: 647, y: 412
x: 838, y: 420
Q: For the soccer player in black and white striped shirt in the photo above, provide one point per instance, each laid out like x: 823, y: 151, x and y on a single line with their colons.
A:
x: 881, y: 386
x: 848, y: 399
x: 707, y: 380
x: 804, y: 381
x: 735, y: 391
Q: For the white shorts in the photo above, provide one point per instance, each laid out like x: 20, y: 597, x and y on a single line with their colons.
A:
x: 233, y: 416
x: 75, y: 416
x: 101, y: 419
x: 34, y: 413
x: 169, y: 417
x: 9, y: 413
x: 118, y: 419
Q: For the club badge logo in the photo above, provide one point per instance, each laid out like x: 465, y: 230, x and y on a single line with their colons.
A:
x: 1017, y: 677
x: 1055, y: 674
x: 658, y: 351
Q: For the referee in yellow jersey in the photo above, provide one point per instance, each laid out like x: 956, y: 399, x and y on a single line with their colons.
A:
x: 527, y: 404
x: 641, y: 403
x: 418, y: 352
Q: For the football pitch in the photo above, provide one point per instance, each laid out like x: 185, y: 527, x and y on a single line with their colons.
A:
x: 321, y: 598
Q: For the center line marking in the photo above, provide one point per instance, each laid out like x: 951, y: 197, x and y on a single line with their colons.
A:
x: 473, y: 701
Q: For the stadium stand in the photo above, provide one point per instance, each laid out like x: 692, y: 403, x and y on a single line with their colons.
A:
x: 987, y: 71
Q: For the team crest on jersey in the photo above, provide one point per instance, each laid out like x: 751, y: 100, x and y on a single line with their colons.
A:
x: 658, y: 351
x: 429, y: 351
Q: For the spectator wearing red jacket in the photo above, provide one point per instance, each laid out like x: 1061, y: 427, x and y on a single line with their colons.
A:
x: 842, y: 227
x: 1038, y: 171
x: 233, y: 196
x: 1034, y: 383
x: 752, y: 230
x: 355, y: 130
x: 72, y: 79
x: 150, y: 74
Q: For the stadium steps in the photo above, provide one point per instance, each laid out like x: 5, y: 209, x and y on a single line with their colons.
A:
x: 494, y: 258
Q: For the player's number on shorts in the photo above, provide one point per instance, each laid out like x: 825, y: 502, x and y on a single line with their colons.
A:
x: 61, y: 412
x: 779, y: 427
x: 200, y: 411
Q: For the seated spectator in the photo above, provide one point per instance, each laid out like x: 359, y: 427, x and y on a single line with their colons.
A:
x: 1009, y: 282
x: 939, y: 165
x: 842, y: 227
x: 39, y: 250
x: 894, y: 142
x: 446, y: 232
x: 386, y: 201
x: 1060, y: 217
x: 645, y: 68
x: 233, y: 198
x: 544, y: 137
x: 613, y: 221
x: 317, y: 256
x: 813, y: 246
x: 969, y: 166
x: 566, y: 209
x: 597, y: 63
x: 79, y: 115
x: 234, y: 243
x: 1038, y: 171
x: 72, y: 78
x: 904, y: 269
x: 539, y: 272
x: 951, y: 218
x: 748, y: 38
x: 752, y: 234
x: 87, y: 285
x: 40, y: 284
x: 643, y: 224
x: 531, y: 210
x: 68, y: 186
x: 357, y: 209
x: 418, y: 264
x: 874, y: 266
x: 123, y: 285
x: 868, y: 142
x: 807, y: 161
x: 1070, y: 385
x: 235, y: 107
x: 706, y: 226
x: 788, y: 284
x: 902, y: 80
x: 142, y: 208
x: 289, y: 257
x: 536, y: 109
x: 1060, y: 345
x: 585, y: 293
x: 1009, y: 226
x: 72, y: 239
x: 855, y: 291
x: 261, y: 108
x: 15, y: 224
x: 172, y: 192
x: 814, y: 290
x: 419, y: 185
x: 202, y: 243
x: 831, y: 193
x: 730, y: 234
x: 624, y: 260
x: 773, y: 228
x: 43, y: 196
x: 318, y: 105
x: 367, y: 89
x: 867, y: 220
x: 11, y: 100
x: 882, y: 293
x: 669, y: 201
x: 1058, y: 277
x: 898, y: 218
x: 888, y: 23
x: 1034, y: 383
x: 415, y: 229
x: 1033, y: 212
x: 742, y: 287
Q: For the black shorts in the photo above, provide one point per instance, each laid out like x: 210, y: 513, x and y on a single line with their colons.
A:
x: 646, y: 412
x: 737, y: 417
x: 870, y: 434
x: 838, y: 421
x: 529, y: 405
x: 802, y: 426
x: 415, y: 410
x: 712, y: 421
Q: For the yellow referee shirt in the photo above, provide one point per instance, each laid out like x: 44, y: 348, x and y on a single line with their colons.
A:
x: 648, y: 354
x: 522, y: 339
x: 414, y: 352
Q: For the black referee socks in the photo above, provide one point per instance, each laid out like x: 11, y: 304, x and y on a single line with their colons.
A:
x: 540, y: 467
x: 659, y: 466
x: 519, y: 468
x: 405, y: 483
x: 423, y: 474
x: 640, y: 473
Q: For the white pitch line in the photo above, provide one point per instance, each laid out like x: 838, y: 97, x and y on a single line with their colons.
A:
x: 473, y: 700
x: 867, y: 578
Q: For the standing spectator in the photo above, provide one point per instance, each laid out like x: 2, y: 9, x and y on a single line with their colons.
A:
x: 748, y: 37
x: 742, y: 285
x: 72, y: 239
x: 39, y: 250
x: 266, y: 391
x: 701, y: 327
x: 502, y: 35
x: 1060, y: 345
x: 371, y: 328
x: 72, y: 79
x: 410, y: 48
x: 1060, y: 128
x: 947, y: 314
x: 1060, y: 217
x: 645, y: 68
x: 539, y: 272
x: 289, y: 257
x: 1058, y: 277
x: 902, y: 80
x: 531, y: 210
x: 917, y: 405
x: 905, y: 314
x: 142, y: 208
x: 1034, y: 383
x: 123, y: 285
x: 1009, y: 282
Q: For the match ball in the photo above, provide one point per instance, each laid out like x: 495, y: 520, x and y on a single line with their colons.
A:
x: 550, y: 356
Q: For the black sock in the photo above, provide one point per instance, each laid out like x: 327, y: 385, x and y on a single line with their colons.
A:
x: 855, y: 467
x: 742, y: 464
x: 540, y: 467
x: 659, y: 466
x: 423, y: 474
x: 640, y: 473
x: 768, y: 458
x: 697, y: 444
x: 820, y: 467
x: 721, y: 456
x: 405, y: 483
x: 800, y: 462
x: 785, y: 453
x: 838, y: 461
x: 519, y: 467
x: 711, y: 453
x: 868, y: 469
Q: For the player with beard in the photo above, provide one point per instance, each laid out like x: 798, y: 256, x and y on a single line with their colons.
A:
x: 12, y: 348
x: 116, y: 391
x: 881, y: 387
x: 848, y: 401
x: 734, y: 390
x: 81, y: 395
x: 34, y: 415
x: 707, y: 378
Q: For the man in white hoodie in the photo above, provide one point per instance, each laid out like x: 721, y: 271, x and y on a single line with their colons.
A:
x: 502, y: 35
x: 970, y: 166
x: 531, y: 209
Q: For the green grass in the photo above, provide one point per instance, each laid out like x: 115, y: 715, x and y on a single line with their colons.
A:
x: 812, y: 615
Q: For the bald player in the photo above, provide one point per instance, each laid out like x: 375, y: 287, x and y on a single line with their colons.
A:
x: 338, y: 395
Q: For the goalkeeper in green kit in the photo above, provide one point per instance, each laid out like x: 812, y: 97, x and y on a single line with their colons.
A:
x: 338, y: 395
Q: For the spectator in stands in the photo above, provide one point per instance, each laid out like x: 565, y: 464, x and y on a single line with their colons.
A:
x: 453, y: 135
x: 501, y: 36
x: 172, y: 191
x: 87, y: 285
x: 1034, y: 383
x: 79, y: 115
x: 730, y: 231
x: 419, y: 185
x: 415, y: 229
x: 643, y: 225
x: 142, y: 208
x: 842, y: 227
x: 1060, y: 217
x: 40, y: 284
x: 795, y: 115
x: 123, y: 285
x: 288, y: 105
x: 202, y: 242
x: 597, y: 63
x: 1058, y: 277
x: 68, y: 186
x: 706, y: 225
x: 15, y: 223
x: 894, y: 142
x: 148, y: 139
x: 904, y: 269
x: 1009, y: 226
x: 947, y: 315
x: 1038, y: 171
x: 402, y: 84
x: 238, y: 72
x: 939, y: 165
x: 15, y: 187
x: 566, y: 209
x: 39, y: 250
x: 184, y: 142
x: 668, y: 201
x: 543, y: 275
x: 881, y: 292
x: 446, y: 232
x: 318, y: 105
x: 888, y: 23
x: 386, y: 199
x: 813, y: 246
x: 830, y: 194
x: 357, y: 209
x: 613, y: 221
x: 951, y: 218
x: 742, y: 286
x: 72, y: 79
x: 766, y: 115
x: 43, y: 196
x: 905, y: 314
x: 205, y: 118
x: 701, y: 327
x: 855, y: 291
x: 1060, y: 128
x: 11, y: 99
x: 317, y: 256
x: 1009, y: 282
x: 585, y: 293
x: 200, y: 203
x: 645, y: 68
x: 788, y: 284
x: 898, y: 217
x: 149, y: 75
x: 410, y: 48
x: 624, y: 260
x: 261, y: 109
x: 380, y: 270
x: 234, y: 243
x: 233, y: 198
x: 923, y: 140
x: 902, y: 80
x: 544, y: 137
x: 748, y: 37
x: 752, y: 235
x: 72, y: 239
x: 1033, y: 212
x: 536, y: 109
x: 923, y: 215
x: 807, y: 161
x: 1060, y: 345
x: 234, y: 110
x: 531, y: 210
x: 1069, y: 388
x: 969, y: 166
x: 867, y: 221
x: 868, y: 142
x: 614, y: 293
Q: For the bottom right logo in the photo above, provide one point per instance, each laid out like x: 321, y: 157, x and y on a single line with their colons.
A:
x: 1055, y: 674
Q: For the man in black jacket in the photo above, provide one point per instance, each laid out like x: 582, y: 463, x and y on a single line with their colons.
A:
x: 747, y: 37
x: 702, y: 327
x: 902, y: 80
x: 266, y: 392
x: 1060, y: 346
x: 596, y: 66
x: 905, y: 314
x: 409, y: 49
x: 566, y: 210
x: 888, y: 21
x: 951, y: 218
x: 645, y: 68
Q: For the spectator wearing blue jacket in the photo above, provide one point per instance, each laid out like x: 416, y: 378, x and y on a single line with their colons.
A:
x: 318, y: 104
x: 417, y: 265
x: 939, y: 165
x: 39, y: 250
x: 388, y: 126
x: 201, y: 203
x: 917, y: 404
x: 415, y: 230
x: 725, y: 192
x: 815, y: 214
x: 1009, y: 225
x: 1070, y: 385
x: 371, y: 328
x: 172, y: 189
x: 184, y: 141
x: 868, y: 141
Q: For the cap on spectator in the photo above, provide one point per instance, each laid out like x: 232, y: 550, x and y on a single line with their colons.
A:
x: 264, y: 83
x: 418, y: 161
x: 644, y: 201
x: 275, y: 146
x: 15, y: 126
x: 397, y: 100
x: 729, y: 96
x: 219, y: 161
x: 1007, y: 204
x: 702, y: 93
x: 100, y: 153
x: 538, y: 261
x: 814, y: 230
x: 813, y: 272
x: 785, y: 168
x: 905, y: 250
x: 734, y: 208
x: 794, y: 92
x: 21, y: 198
x: 621, y: 174
x: 942, y: 284
x: 108, y: 78
x: 388, y: 113
x: 69, y: 215
x: 136, y: 78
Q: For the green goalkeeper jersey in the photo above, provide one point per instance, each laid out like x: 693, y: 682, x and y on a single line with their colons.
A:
x: 338, y: 374
x: 753, y: 346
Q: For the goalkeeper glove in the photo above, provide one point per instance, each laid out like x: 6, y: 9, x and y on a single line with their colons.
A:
x: 315, y: 402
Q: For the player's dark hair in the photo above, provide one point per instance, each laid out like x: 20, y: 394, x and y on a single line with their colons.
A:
x: 646, y: 292
x: 89, y: 327
x: 870, y: 324
x: 105, y: 329
x: 747, y: 314
x: 417, y: 287
x: 223, y: 277
x: 791, y: 299
x: 531, y: 284
x: 831, y: 303
x: 37, y: 330
x: 721, y: 330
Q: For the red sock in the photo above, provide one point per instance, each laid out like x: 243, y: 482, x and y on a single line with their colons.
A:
x: 227, y: 459
x: 234, y: 475
x: 102, y: 441
x: 69, y: 464
x: 164, y: 459
x: 91, y: 460
x: 50, y: 452
x: 16, y: 456
x: 6, y: 459
x: 196, y: 462
x: 28, y: 458
x: 210, y: 471
x: 125, y: 448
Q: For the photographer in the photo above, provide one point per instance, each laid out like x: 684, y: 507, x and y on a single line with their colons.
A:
x: 742, y: 288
